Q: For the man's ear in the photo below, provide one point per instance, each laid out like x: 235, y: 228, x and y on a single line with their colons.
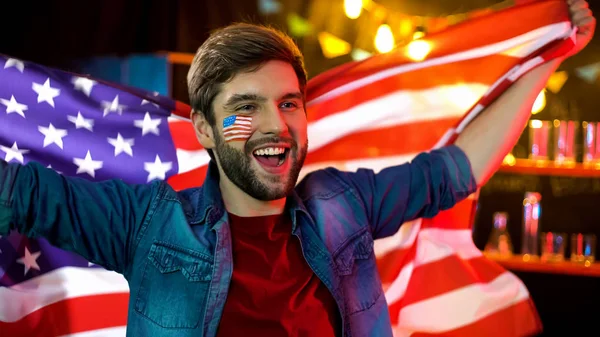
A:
x: 204, y: 131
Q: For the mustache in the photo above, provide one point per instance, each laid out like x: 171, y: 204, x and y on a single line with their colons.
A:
x: 250, y: 145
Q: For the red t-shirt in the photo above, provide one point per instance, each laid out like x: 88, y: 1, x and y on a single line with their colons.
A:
x: 273, y: 291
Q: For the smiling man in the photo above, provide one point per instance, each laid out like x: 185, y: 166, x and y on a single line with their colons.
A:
x: 251, y: 252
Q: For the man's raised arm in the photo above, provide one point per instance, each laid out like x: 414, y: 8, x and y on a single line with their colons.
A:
x: 97, y: 220
x: 488, y: 138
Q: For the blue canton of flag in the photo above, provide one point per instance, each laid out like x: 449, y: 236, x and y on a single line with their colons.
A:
x: 228, y: 121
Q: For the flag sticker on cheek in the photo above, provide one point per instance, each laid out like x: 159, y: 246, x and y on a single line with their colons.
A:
x: 237, y: 128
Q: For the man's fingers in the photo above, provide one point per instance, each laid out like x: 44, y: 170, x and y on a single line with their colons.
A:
x: 580, y: 15
x: 587, y: 25
x: 578, y: 4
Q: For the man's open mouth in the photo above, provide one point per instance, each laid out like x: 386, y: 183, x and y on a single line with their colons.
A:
x: 272, y: 156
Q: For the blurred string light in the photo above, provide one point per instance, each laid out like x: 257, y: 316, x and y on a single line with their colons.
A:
x: 359, y: 54
x: 509, y: 160
x: 417, y: 50
x: 267, y: 7
x: 298, y: 26
x: 384, y: 39
x: 557, y: 81
x: 419, y: 33
x: 353, y: 8
x: 332, y: 46
x: 540, y: 103
x: 589, y: 73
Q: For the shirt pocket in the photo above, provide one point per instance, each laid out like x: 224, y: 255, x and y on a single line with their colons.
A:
x: 174, y: 286
x: 356, y: 265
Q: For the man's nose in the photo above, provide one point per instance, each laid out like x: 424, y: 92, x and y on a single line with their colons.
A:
x: 272, y: 121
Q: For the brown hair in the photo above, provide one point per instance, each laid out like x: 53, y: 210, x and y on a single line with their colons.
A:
x: 240, y: 47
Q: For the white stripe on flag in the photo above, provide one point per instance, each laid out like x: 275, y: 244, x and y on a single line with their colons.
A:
x: 234, y: 131
x: 119, y: 331
x: 434, y: 244
x: 57, y: 285
x: 398, y: 288
x: 402, y: 239
x: 191, y: 160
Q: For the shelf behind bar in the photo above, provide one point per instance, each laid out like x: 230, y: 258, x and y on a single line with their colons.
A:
x: 526, y: 166
x: 517, y: 263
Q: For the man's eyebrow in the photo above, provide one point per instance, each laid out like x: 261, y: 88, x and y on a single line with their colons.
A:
x: 238, y: 98
x: 292, y: 95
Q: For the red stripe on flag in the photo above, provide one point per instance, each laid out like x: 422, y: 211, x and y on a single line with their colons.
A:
x: 448, y: 274
x: 390, y: 141
x: 458, y: 217
x: 71, y: 316
x: 390, y: 264
x: 182, y: 110
x: 184, y: 135
x: 186, y: 180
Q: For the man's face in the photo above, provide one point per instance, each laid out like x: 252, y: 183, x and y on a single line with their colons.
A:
x: 267, y: 164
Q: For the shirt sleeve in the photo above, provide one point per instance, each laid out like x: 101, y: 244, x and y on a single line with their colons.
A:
x: 97, y: 220
x: 430, y: 183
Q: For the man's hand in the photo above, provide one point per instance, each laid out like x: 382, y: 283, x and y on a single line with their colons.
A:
x: 582, y: 18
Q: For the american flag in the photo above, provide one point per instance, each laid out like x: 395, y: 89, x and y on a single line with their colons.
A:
x: 237, y: 127
x: 373, y: 113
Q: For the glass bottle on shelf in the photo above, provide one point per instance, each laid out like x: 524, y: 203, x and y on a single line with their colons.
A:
x: 499, y: 244
x: 531, y: 221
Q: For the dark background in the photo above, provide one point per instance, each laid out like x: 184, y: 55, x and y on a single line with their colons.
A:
x: 57, y: 33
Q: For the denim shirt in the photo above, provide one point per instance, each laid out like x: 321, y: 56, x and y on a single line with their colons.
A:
x: 174, y: 248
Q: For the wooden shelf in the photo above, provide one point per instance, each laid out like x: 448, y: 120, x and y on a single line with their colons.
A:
x: 526, y: 166
x: 517, y: 263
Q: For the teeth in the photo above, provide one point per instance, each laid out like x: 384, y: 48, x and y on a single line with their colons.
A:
x: 269, y: 151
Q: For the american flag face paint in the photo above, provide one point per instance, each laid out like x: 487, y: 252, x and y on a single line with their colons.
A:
x: 237, y: 127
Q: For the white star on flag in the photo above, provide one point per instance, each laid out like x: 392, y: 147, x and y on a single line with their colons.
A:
x: 148, y: 125
x: 12, y: 106
x: 113, y: 106
x: 157, y: 169
x: 52, y: 135
x: 45, y: 92
x: 87, y: 165
x: 15, y: 63
x: 81, y: 122
x: 83, y: 84
x: 29, y: 261
x: 122, y: 145
x: 13, y: 153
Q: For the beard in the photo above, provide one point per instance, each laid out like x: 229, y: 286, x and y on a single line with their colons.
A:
x: 237, y: 166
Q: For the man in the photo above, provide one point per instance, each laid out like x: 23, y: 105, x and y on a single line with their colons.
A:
x: 249, y: 252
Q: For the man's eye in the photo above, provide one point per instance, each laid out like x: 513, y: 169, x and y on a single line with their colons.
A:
x: 288, y: 105
x: 246, y: 107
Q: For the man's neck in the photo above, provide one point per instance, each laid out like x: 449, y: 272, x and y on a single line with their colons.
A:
x: 241, y: 204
